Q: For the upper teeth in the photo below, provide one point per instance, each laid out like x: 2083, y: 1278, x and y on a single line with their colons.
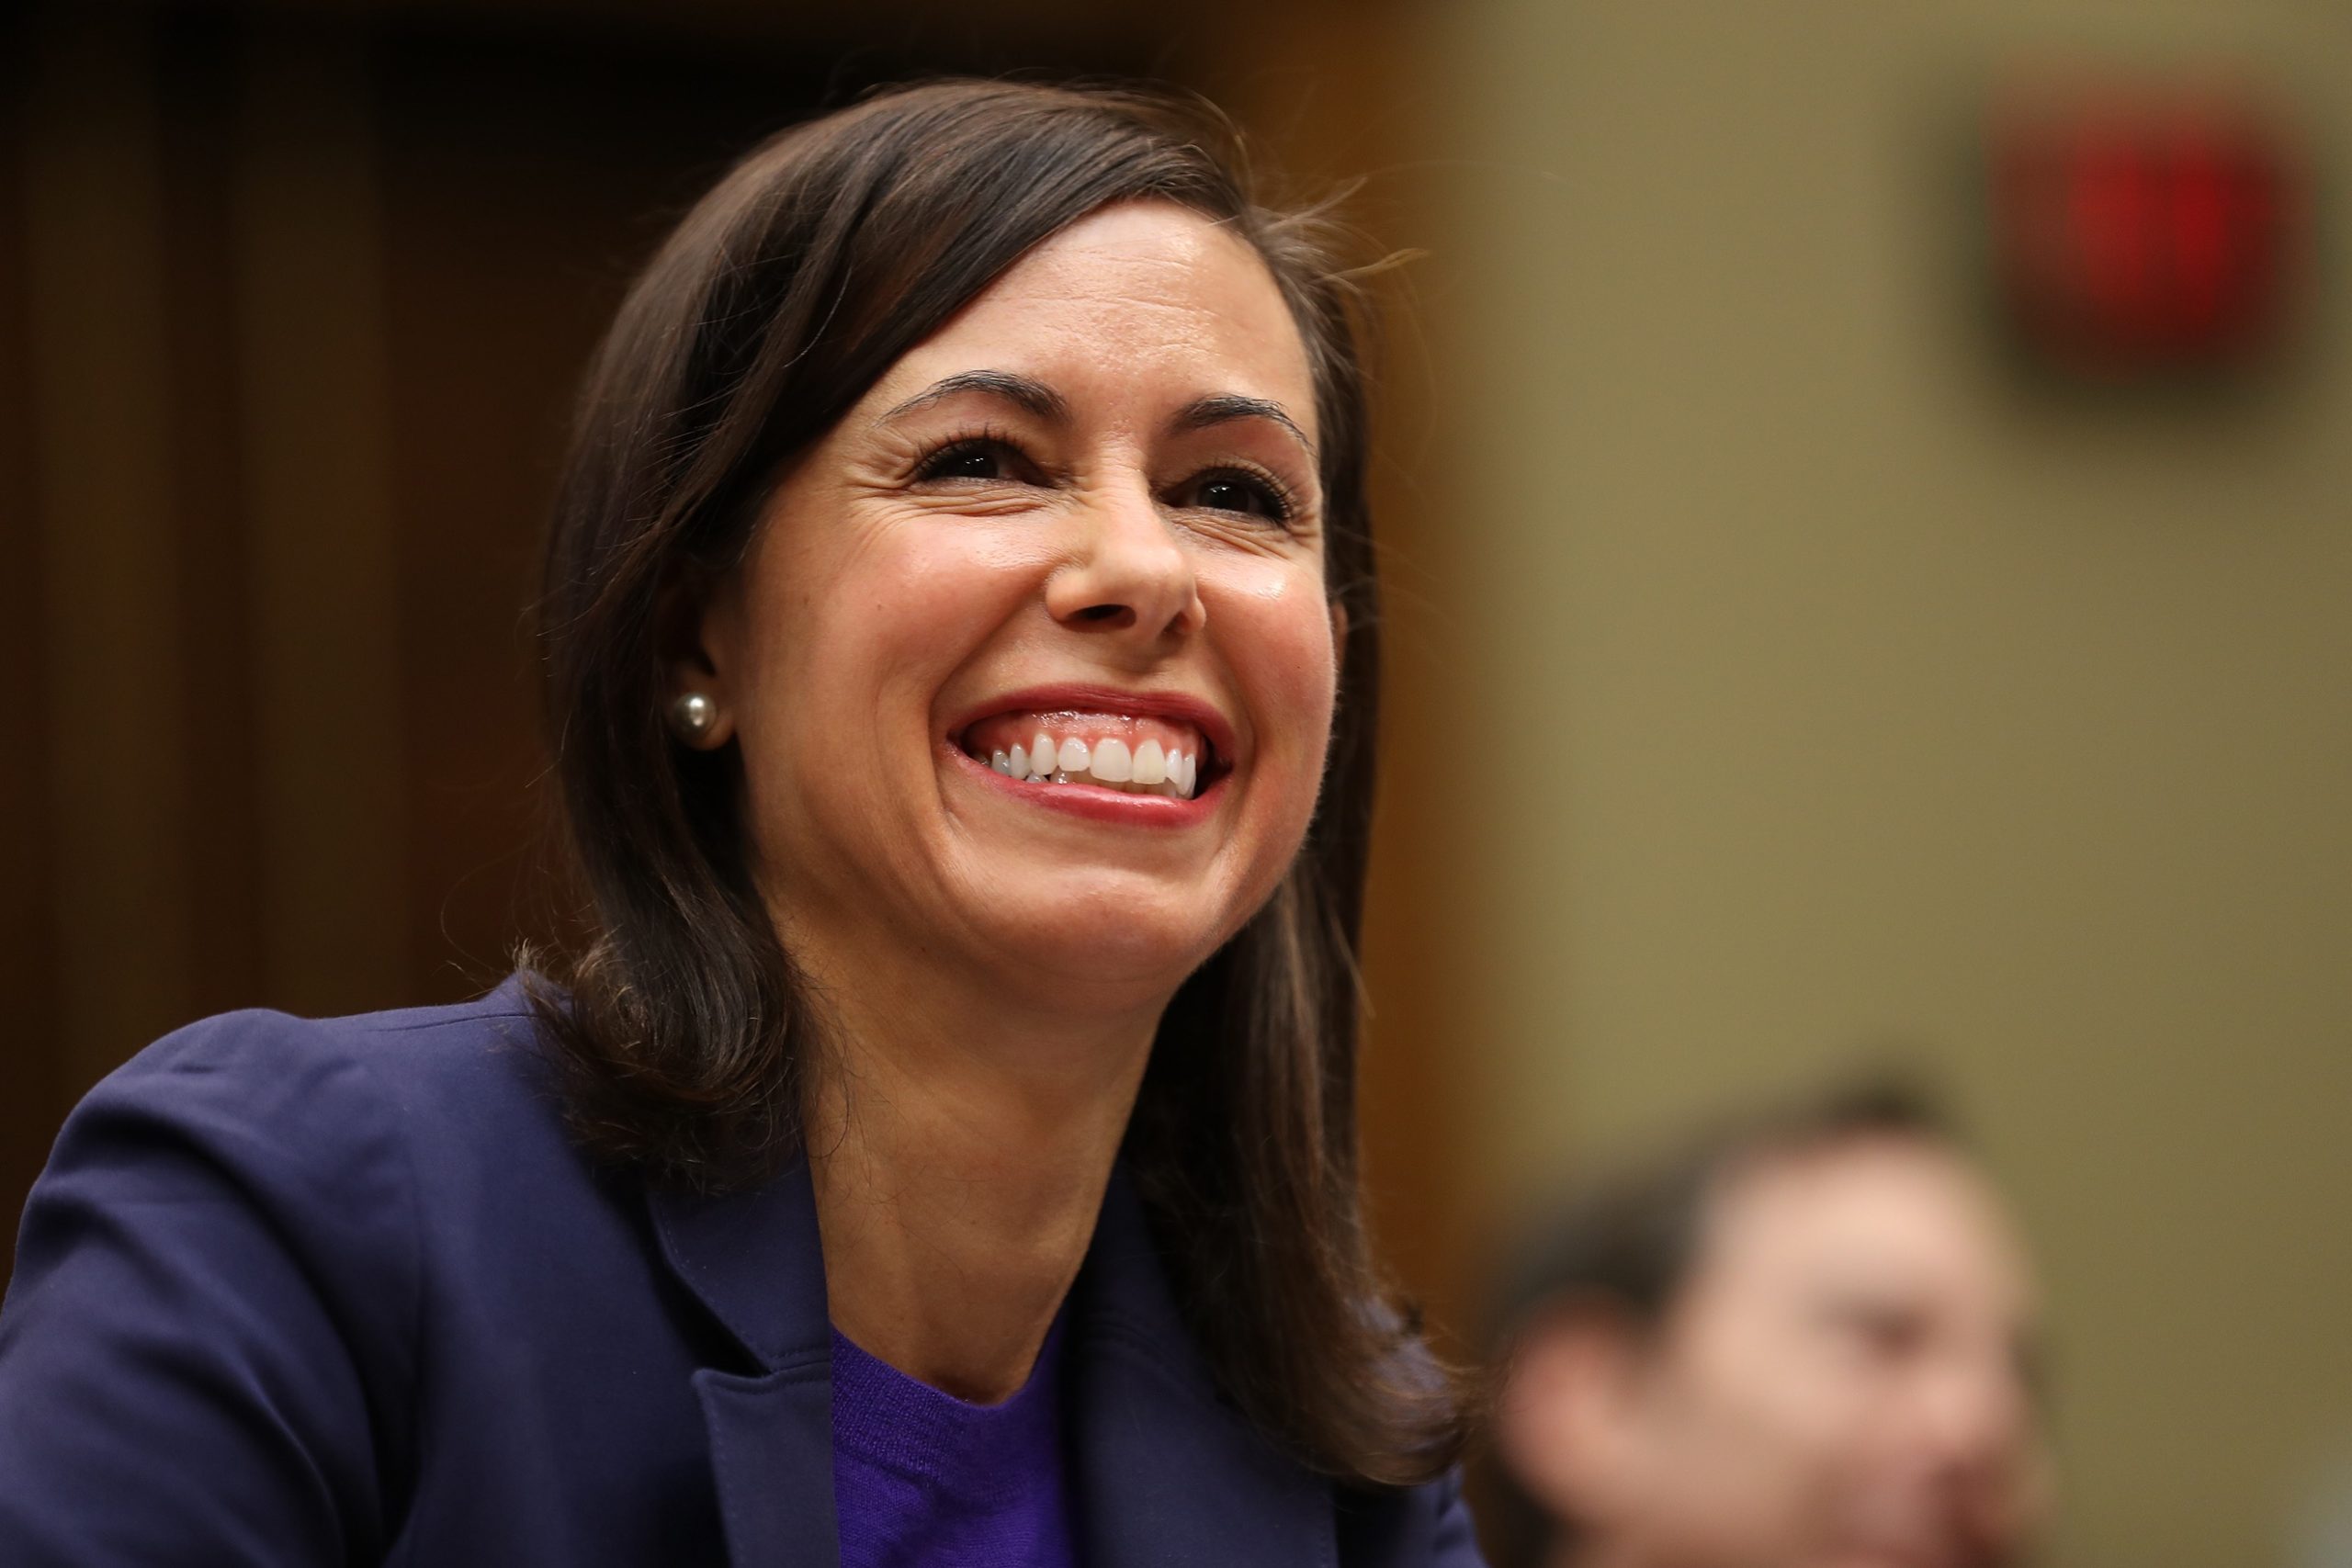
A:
x: 1146, y: 770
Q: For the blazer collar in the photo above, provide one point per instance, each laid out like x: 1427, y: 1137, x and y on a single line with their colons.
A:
x: 1162, y: 1470
x: 751, y: 1259
x: 1165, y: 1472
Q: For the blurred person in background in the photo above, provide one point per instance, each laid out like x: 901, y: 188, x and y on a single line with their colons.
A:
x: 1804, y: 1339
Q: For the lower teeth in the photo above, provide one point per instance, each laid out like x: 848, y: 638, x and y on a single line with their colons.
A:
x: 1060, y: 777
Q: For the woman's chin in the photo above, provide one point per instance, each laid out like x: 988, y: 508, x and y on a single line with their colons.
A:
x: 1128, y: 937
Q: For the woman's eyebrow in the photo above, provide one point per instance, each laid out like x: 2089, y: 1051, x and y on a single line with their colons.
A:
x: 1023, y: 392
x: 1034, y: 397
x: 1203, y: 413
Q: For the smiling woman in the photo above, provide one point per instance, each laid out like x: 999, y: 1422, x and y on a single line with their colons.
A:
x: 939, y: 1147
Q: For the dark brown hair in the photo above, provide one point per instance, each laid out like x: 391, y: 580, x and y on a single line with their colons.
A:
x: 1625, y: 1241
x: 785, y: 294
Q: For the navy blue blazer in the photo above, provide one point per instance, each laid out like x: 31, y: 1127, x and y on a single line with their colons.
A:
x: 343, y: 1291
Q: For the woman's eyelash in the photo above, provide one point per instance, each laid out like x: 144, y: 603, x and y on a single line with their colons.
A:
x: 1280, y: 500
x: 936, y: 462
x: 1282, y: 506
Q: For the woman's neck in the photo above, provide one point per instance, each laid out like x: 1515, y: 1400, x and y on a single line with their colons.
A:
x: 959, y: 1155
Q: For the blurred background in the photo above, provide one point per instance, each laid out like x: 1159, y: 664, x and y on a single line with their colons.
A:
x: 1868, y: 501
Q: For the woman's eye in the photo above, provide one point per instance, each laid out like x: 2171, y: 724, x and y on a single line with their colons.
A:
x: 1241, y: 493
x: 971, y: 460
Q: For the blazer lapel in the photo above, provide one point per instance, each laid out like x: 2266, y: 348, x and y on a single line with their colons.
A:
x: 772, y: 1450
x: 1166, y: 1473
x: 753, y: 1258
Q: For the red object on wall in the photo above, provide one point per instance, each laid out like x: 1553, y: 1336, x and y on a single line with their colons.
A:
x: 2141, y: 233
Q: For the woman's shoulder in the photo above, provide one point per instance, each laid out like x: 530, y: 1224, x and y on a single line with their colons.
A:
x: 322, y: 1162
x: 264, y: 1233
x: 304, y: 1080
x: 410, y: 1039
x: 334, y: 1126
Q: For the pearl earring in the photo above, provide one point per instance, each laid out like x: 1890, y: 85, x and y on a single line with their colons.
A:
x: 692, y: 716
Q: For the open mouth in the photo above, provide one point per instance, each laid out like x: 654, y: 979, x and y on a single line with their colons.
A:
x: 1128, y: 753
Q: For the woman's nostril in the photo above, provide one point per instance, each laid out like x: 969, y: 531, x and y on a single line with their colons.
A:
x: 1100, y: 613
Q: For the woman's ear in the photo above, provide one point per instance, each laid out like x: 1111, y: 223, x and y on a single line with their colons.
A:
x: 1568, y: 1424
x: 699, y: 637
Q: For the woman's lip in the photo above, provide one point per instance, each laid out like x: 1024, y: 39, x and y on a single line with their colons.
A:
x: 1202, y: 715
x: 1094, y: 802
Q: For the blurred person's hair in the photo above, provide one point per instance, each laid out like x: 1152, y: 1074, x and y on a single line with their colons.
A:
x: 1625, y: 1239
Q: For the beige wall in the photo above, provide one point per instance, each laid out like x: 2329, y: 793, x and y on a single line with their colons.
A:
x: 1819, y: 682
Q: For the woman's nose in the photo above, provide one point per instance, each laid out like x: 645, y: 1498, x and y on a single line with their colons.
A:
x: 1129, y: 573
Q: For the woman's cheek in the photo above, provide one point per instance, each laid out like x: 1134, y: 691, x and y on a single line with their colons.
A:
x: 943, y: 591
x: 885, y: 629
x: 1283, y: 646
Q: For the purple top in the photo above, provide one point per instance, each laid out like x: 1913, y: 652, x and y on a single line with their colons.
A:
x: 923, y: 1480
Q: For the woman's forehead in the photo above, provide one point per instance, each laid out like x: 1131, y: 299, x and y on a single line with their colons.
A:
x: 1141, y: 300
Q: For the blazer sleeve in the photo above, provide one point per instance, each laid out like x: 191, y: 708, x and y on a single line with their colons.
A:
x: 1454, y: 1541
x: 1417, y: 1527
x: 204, y: 1347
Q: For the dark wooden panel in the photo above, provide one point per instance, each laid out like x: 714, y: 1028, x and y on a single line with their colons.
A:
x: 198, y: 90
x: 31, y: 1086
x: 520, y: 191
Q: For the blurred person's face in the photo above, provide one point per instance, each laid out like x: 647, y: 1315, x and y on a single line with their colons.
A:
x: 1842, y: 1382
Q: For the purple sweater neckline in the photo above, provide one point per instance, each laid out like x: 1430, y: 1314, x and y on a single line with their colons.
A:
x: 973, y: 1454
